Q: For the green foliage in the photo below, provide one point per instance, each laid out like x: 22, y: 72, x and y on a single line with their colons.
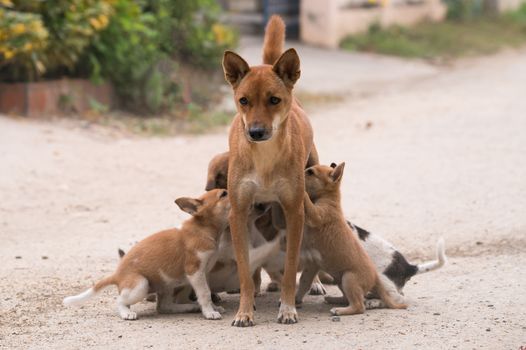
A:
x: 135, y: 44
x: 448, y: 39
x: 144, y: 40
x: 462, y: 10
x: 46, y: 38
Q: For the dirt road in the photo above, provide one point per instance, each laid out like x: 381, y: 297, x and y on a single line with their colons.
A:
x: 440, y: 154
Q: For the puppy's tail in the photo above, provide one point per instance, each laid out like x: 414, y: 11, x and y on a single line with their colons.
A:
x: 260, y: 255
x: 386, y: 297
x: 274, y: 40
x: 434, y: 264
x: 88, y: 294
x: 121, y: 253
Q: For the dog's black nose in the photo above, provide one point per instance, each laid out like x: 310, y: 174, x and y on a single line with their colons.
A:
x: 257, y: 133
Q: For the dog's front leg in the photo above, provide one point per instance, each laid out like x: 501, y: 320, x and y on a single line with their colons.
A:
x: 294, y: 217
x: 239, y: 230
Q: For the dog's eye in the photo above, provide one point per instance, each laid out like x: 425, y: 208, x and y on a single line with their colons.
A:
x: 243, y: 101
x: 224, y: 194
x: 309, y: 172
x: 275, y: 100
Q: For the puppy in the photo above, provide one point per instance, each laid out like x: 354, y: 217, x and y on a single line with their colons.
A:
x: 224, y: 277
x: 171, y: 259
x: 261, y: 229
x: 391, y: 265
x: 334, y: 248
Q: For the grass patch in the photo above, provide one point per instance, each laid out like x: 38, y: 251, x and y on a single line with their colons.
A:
x: 446, y: 40
x: 193, y: 121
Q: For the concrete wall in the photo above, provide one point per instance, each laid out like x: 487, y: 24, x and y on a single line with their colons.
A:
x: 326, y: 23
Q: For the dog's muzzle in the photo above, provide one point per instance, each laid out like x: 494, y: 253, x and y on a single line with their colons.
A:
x: 258, y: 134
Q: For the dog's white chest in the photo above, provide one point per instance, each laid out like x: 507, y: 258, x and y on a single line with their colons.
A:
x: 263, y: 191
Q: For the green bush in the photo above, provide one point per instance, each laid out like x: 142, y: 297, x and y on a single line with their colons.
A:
x: 46, y: 38
x: 137, y: 45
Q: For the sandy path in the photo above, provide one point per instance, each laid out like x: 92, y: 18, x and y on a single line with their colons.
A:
x: 445, y: 156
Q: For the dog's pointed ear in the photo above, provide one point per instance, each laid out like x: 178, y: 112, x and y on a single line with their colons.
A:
x: 189, y: 205
x: 287, y: 67
x: 234, y: 67
x: 337, y: 173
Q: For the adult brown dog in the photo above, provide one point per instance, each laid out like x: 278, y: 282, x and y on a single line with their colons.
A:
x: 269, y: 143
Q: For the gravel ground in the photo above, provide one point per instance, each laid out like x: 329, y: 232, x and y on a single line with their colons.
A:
x: 442, y: 153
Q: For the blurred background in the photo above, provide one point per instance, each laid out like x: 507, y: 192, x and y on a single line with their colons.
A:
x: 111, y: 61
x: 111, y: 109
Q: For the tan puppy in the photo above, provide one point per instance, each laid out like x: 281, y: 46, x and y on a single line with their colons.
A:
x: 334, y: 247
x: 269, y: 144
x: 170, y: 260
x: 262, y: 227
x: 217, y: 172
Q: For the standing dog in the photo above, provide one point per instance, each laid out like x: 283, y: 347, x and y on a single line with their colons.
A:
x: 269, y: 144
x: 334, y: 248
x: 170, y: 260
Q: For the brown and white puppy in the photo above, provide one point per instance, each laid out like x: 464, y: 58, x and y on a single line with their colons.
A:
x: 261, y: 230
x: 269, y: 144
x: 170, y: 260
x: 333, y: 246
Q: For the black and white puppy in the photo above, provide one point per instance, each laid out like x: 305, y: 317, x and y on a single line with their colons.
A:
x: 393, y: 268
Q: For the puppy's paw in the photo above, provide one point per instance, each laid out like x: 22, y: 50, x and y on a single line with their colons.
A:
x: 374, y: 304
x: 216, y: 298
x: 335, y: 311
x: 243, y: 319
x: 317, y: 289
x: 298, y: 302
x: 212, y: 315
x: 129, y: 316
x: 219, y: 308
x: 273, y: 287
x: 287, y: 314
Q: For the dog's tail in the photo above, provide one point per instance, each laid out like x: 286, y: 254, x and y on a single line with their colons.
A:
x: 88, y: 294
x: 386, y: 297
x: 260, y: 255
x: 274, y: 39
x: 434, y: 264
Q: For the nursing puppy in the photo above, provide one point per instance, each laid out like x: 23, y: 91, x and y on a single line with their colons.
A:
x: 394, y: 269
x: 171, y: 260
x: 261, y: 229
x: 334, y: 248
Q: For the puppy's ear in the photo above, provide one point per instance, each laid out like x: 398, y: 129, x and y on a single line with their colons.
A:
x: 337, y: 173
x: 234, y: 67
x: 287, y: 67
x: 210, y: 184
x: 189, y: 205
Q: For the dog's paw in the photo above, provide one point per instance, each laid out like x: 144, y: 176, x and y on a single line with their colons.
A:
x: 243, y: 319
x: 216, y: 298
x: 129, y: 316
x: 317, y: 289
x: 335, y: 311
x: 219, y: 308
x: 212, y: 315
x: 374, y: 304
x: 287, y: 314
x: 273, y: 287
x: 151, y: 297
